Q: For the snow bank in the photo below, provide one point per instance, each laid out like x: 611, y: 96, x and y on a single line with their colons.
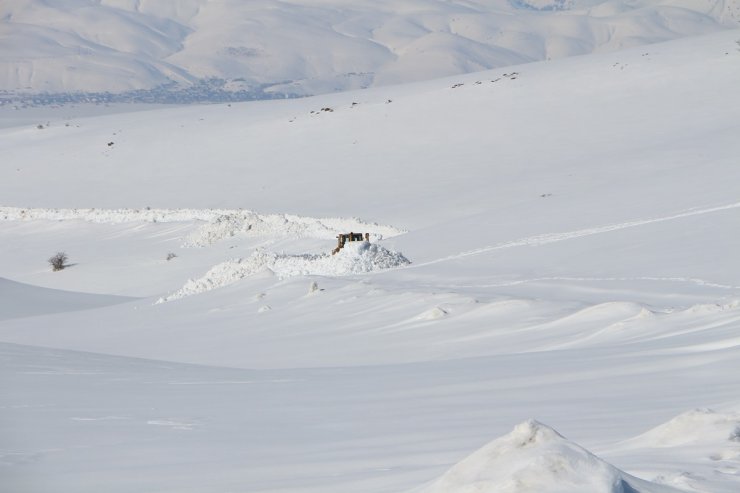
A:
x: 355, y: 258
x: 219, y: 223
x: 111, y: 216
x: 281, y: 225
x: 534, y: 458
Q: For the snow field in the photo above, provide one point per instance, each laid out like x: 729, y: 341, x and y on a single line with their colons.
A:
x: 212, y: 411
x: 573, y: 232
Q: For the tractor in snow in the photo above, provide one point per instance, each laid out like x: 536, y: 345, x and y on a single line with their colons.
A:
x: 347, y: 237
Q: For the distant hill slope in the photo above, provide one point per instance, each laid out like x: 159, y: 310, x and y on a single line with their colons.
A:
x: 184, y: 50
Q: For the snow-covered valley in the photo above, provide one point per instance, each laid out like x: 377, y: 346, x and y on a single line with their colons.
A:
x: 549, y: 301
x: 167, y: 51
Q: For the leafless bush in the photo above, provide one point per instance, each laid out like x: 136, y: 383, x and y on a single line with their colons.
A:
x: 58, y: 261
x: 170, y: 256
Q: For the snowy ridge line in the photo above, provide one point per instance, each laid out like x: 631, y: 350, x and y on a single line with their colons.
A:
x: 355, y: 258
x: 546, y: 238
x: 220, y: 223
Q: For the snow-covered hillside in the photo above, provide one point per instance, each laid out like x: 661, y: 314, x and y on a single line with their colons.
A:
x: 185, y: 50
x: 552, y: 249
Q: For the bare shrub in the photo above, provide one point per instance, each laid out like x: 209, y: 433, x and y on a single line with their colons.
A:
x: 58, y: 261
x: 170, y: 256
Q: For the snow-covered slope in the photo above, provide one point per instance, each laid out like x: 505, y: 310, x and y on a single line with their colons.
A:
x: 233, y: 49
x: 571, y: 228
x: 19, y: 300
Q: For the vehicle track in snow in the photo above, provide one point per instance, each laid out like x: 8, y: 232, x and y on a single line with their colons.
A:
x: 518, y: 282
x: 544, y: 239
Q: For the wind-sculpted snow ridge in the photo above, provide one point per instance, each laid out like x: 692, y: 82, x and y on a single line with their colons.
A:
x: 534, y: 458
x: 354, y: 258
x: 219, y: 223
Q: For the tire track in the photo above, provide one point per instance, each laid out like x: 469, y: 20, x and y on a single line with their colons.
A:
x: 544, y: 239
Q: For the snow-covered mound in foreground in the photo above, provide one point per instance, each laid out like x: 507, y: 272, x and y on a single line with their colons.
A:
x: 354, y: 258
x: 534, y: 458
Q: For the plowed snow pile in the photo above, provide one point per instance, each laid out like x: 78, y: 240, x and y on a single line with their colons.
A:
x: 534, y: 458
x: 355, y: 258
x: 218, y: 224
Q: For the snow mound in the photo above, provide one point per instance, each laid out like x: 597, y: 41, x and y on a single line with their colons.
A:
x: 360, y: 257
x: 534, y: 458
x: 110, y: 216
x: 280, y: 225
x: 693, y: 427
x: 219, y: 276
x: 219, y: 229
x: 433, y: 314
x: 709, y: 308
x: 219, y: 224
x: 355, y: 258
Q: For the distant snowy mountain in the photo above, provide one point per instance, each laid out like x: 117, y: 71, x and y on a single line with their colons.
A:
x: 184, y: 50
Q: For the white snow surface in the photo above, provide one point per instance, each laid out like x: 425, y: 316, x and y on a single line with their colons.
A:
x: 572, y: 232
x: 306, y: 47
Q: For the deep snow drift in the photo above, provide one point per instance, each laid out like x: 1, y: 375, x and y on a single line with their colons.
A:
x: 571, y: 228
